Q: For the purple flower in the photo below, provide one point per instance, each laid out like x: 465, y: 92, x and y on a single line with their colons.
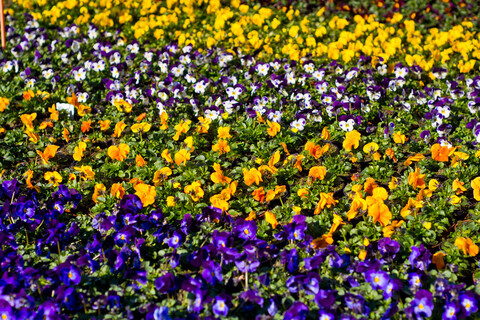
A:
x: 212, y: 272
x: 450, y: 312
x: 161, y: 313
x: 392, y: 286
x: 378, y: 279
x: 175, y: 240
x: 246, y: 230
x: 415, y: 280
x: 220, y: 308
x: 422, y: 304
x: 324, y: 315
x: 166, y: 283
x: 388, y: 248
x: 70, y: 276
x: 420, y: 258
x: 468, y: 303
x: 298, y: 311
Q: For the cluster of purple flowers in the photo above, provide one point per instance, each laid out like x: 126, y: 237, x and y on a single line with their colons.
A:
x: 132, y: 263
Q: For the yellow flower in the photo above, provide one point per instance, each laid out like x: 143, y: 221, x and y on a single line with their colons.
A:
x: 53, y: 177
x: 161, y: 175
x: 104, y: 124
x: 218, y: 177
x: 182, y: 156
x: 273, y: 129
x: 416, y: 180
x: 99, y: 190
x: 87, y: 172
x: 271, y: 218
x: 171, y: 201
x: 194, y: 190
x: 370, y: 148
x: 4, y: 102
x: 78, y: 151
x: 399, y: 138
x: 221, y: 146
x: 119, y: 127
x: 326, y: 200
x: 224, y: 133
x: 352, y: 140
x: 475, y: 183
x: 141, y: 127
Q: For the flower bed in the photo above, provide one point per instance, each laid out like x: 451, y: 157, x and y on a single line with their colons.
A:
x: 168, y: 177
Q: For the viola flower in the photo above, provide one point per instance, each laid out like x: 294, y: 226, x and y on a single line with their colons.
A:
x: 175, y: 240
x: 246, y: 230
x: 252, y: 176
x: 467, y: 245
x: 212, y: 272
x: 146, y: 193
x: 450, y: 312
x: 48, y: 153
x: 352, y: 140
x: 220, y: 308
x: 194, y: 190
x: 468, y: 303
x: 53, y: 177
x: 422, y: 304
x: 181, y: 156
x: 221, y: 146
x: 420, y: 258
x: 119, y: 153
x: 378, y: 279
x: 317, y: 172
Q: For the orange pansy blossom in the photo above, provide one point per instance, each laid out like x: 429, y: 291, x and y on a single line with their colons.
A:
x: 194, y: 190
x: 475, y: 183
x: 252, y: 176
x: 467, y: 246
x: 182, y: 156
x: 378, y: 210
x: 161, y: 175
x: 48, y: 153
x: 317, y: 172
x: 118, y: 153
x: 440, y: 153
x: 352, y: 140
x: 217, y: 176
x: 146, y: 193
x: 78, y: 151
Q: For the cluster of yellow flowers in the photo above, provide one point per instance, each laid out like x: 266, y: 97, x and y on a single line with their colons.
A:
x: 258, y: 29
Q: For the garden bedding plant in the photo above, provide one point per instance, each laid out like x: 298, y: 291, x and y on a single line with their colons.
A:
x: 172, y: 181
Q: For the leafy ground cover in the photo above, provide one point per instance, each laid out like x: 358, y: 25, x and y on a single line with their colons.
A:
x: 187, y: 160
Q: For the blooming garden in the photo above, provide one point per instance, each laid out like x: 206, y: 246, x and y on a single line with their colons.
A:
x: 214, y: 159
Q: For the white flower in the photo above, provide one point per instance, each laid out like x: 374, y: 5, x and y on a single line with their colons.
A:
x: 347, y: 125
x: 290, y: 78
x: 79, y: 74
x: 298, y: 124
x: 444, y: 111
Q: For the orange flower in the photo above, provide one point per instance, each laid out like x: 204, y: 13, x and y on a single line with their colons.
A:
x: 399, y: 138
x: 27, y: 120
x: 117, y: 191
x: 86, y: 126
x: 391, y: 154
x: 416, y: 180
x: 221, y: 146
x: 322, y: 242
x: 29, y: 176
x: 252, y: 176
x: 352, y: 140
x: 53, y: 113
x: 4, y: 102
x: 118, y: 153
x: 48, y: 153
x: 325, y: 134
x: 357, y: 204
x: 119, y: 127
x: 414, y: 158
x: 317, y: 172
x: 141, y: 117
x: 99, y: 191
x: 475, y: 183
x: 146, y: 193
x: 66, y: 134
x: 273, y: 129
x: 78, y: 151
x: 440, y: 153
x: 259, y: 195
x: 140, y: 161
x: 438, y: 261
x: 73, y: 100
x: 163, y: 119
x: 467, y: 245
x: 285, y: 148
x: 45, y: 124
x: 270, y: 218
x: 33, y: 136
x: 123, y: 105
x: 182, y: 156
x: 326, y: 200
x: 302, y: 193
x: 27, y: 95
x: 271, y: 194
x: 377, y: 209
x: 104, y: 124
x: 217, y: 176
x: 369, y: 185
